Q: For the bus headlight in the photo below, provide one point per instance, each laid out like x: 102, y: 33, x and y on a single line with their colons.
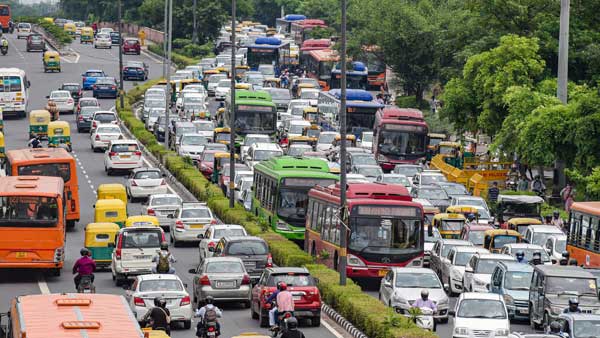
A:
x: 354, y: 261
x: 283, y: 226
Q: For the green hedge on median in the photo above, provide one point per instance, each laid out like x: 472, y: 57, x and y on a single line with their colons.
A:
x: 58, y: 34
x: 367, y: 313
x: 180, y: 60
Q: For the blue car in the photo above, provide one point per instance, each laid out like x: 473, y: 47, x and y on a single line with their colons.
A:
x: 115, y: 38
x: 90, y: 77
x: 131, y: 72
x: 105, y: 87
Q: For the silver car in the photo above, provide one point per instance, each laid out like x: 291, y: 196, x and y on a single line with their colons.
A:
x: 191, y: 220
x: 223, y: 278
x: 164, y: 207
x: 214, y: 233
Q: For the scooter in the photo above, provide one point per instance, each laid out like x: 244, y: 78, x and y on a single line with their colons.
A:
x: 210, y: 330
x: 4, y: 47
x: 425, y: 320
x: 282, y: 327
x: 86, y: 285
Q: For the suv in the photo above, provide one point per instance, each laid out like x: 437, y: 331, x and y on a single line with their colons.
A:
x: 213, y: 235
x: 307, y: 300
x: 122, y: 155
x: 35, y: 42
x: 551, y: 288
x: 254, y: 251
x: 191, y: 221
x: 511, y: 280
x: 135, y: 247
x: 539, y: 233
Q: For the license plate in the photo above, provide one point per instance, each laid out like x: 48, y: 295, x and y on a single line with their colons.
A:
x: 125, y: 156
x: 297, y: 297
x: 251, y: 265
x: 21, y: 254
x: 210, y: 334
x: 197, y: 226
x: 382, y: 273
x: 225, y: 284
x: 524, y: 311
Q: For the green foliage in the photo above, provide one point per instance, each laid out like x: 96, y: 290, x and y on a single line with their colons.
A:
x: 57, y: 33
x: 180, y: 60
x: 322, y: 33
x: 589, y: 184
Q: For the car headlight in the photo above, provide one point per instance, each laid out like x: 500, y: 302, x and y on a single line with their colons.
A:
x: 508, y: 299
x: 161, y: 129
x: 501, y: 332
x: 283, y: 226
x: 381, y: 158
x: 478, y: 282
x: 354, y: 261
x: 462, y: 331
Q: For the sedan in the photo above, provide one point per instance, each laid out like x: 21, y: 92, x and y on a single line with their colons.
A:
x: 84, y: 118
x: 372, y: 172
x: 144, y: 182
x: 64, y: 101
x: 222, y: 89
x: 90, y: 77
x: 23, y: 30
x: 214, y: 233
x: 164, y: 207
x: 103, y: 40
x: 105, y: 87
x: 191, y: 220
x: 223, y: 278
x: 74, y: 89
x: 102, y: 136
x: 397, y: 179
x: 191, y: 145
x: 432, y: 193
x: 131, y: 45
x: 147, y: 287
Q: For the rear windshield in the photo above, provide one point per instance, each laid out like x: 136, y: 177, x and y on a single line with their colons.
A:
x: 94, y: 74
x: 166, y: 201
x: 71, y: 88
x: 292, y: 279
x: 124, y: 148
x: 195, y: 213
x: 147, y: 175
x: 161, y: 285
x: 62, y: 170
x: 141, y: 239
x: 224, y: 267
x: 88, y: 103
x: 220, y: 233
x: 247, y: 248
x: 105, y: 117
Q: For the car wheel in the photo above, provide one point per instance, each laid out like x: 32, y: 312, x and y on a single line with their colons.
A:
x: 119, y: 280
x: 187, y: 324
x: 253, y: 314
x: 315, y: 321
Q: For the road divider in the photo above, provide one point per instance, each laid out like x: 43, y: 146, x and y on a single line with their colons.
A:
x: 368, y: 314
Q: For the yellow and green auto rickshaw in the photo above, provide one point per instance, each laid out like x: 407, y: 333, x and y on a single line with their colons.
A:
x: 311, y: 114
x: 240, y: 71
x: 221, y: 135
x: 142, y: 221
x: 87, y: 35
x: 300, y: 140
x: 495, y: 239
x: 70, y: 29
x: 98, y: 237
x: 51, y: 60
x: 312, y: 132
x: 59, y: 134
x: 110, y: 211
x: 38, y: 123
x: 272, y: 82
x: 449, y: 225
x: 520, y: 224
x: 2, y: 150
x: 112, y: 191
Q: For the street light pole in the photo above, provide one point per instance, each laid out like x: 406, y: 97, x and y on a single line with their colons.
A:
x: 121, y: 92
x: 166, y: 23
x: 342, y: 114
x: 232, y: 109
x: 194, y: 23
x: 168, y: 76
x: 563, y: 51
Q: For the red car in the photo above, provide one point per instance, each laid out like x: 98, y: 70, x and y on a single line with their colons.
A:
x: 474, y: 233
x: 131, y: 46
x: 205, y: 164
x: 307, y: 300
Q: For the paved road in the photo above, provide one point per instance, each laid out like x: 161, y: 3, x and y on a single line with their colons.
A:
x: 91, y: 174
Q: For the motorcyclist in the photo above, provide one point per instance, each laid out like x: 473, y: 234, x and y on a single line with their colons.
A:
x: 158, y: 317
x: 270, y: 300
x: 84, y: 266
x: 208, y: 313
x: 424, y: 301
x: 537, y: 258
x: 292, y: 329
x: 573, y: 306
x: 285, y: 302
x: 35, y: 141
x: 163, y: 260
x: 520, y: 255
x: 564, y: 260
x: 537, y: 186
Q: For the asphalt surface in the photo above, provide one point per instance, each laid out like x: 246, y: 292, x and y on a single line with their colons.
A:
x: 236, y: 319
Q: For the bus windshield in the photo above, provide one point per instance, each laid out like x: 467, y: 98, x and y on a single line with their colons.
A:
x: 255, y: 121
x: 10, y: 83
x: 384, y: 235
x: 28, y: 211
x: 399, y: 143
x: 62, y: 170
x: 293, y: 198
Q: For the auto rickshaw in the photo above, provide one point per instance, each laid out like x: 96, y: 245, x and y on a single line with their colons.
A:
x: 38, y: 123
x: 110, y: 210
x: 219, y: 160
x: 48, y: 20
x: 206, y: 74
x: 59, y: 133
x: 451, y: 153
x: 300, y: 140
x: 495, y: 239
x: 245, y: 86
x: 70, y: 28
x: 51, y: 60
x: 449, y: 225
x: 141, y: 220
x: 303, y: 86
x: 149, y: 333
x: 465, y: 210
x: 434, y: 141
x: 520, y: 224
x: 221, y: 135
x: 350, y: 140
x: 240, y: 71
x: 513, y: 206
x: 272, y: 82
x: 112, y: 191
x: 186, y: 82
x: 311, y: 114
x: 98, y: 236
x: 312, y: 132
x: 87, y: 35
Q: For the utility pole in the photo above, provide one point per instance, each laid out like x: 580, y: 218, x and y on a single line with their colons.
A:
x: 168, y: 77
x: 121, y: 92
x: 342, y: 114
x: 166, y: 28
x: 232, y: 109
x: 563, y: 51
x: 194, y: 23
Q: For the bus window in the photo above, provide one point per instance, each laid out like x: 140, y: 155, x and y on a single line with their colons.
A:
x: 30, y: 211
x: 62, y: 170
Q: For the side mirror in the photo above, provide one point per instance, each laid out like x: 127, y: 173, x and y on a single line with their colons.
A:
x: 554, y: 261
x: 185, y: 285
x: 387, y: 284
x: 200, y: 236
x: 469, y: 269
x: 192, y: 271
x: 211, y: 249
x: 47, y: 96
x: 164, y: 175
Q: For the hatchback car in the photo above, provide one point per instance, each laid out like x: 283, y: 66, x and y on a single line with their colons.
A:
x: 191, y: 220
x: 84, y: 118
x: 87, y: 102
x: 168, y: 286
x: 122, y: 155
x: 222, y: 89
x: 261, y: 152
x: 213, y: 82
x: 213, y: 235
x: 164, y: 207
x: 103, y: 134
x: 135, y: 248
x: 191, y: 145
x: 528, y: 250
x: 453, y: 189
x: 250, y: 139
x: 223, y: 278
x: 143, y: 182
x: 373, y: 173
x: 153, y: 116
x: 23, y: 30
x: 115, y: 38
x: 480, y: 315
x: 103, y: 40
x: 134, y: 72
x: 105, y: 87
x: 131, y: 46
x: 101, y: 117
x: 64, y: 101
x: 306, y: 296
x: 478, y: 272
x: 428, y: 177
x: 454, y: 268
x: 90, y: 77
x: 512, y: 281
x: 433, y: 193
x: 35, y: 42
x: 397, y: 179
x: 254, y: 251
x: 408, y: 170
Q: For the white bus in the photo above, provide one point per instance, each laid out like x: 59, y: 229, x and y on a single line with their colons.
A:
x: 14, y: 88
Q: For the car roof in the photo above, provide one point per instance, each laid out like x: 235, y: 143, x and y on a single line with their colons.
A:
x: 71, y: 84
x: 158, y: 276
x: 265, y: 145
x: 226, y: 226
x: 222, y: 258
x: 523, y: 246
x: 130, y: 141
x: 145, y: 169
x: 404, y: 270
x: 164, y: 195
x: 243, y: 238
x: 582, y: 316
x: 454, y: 241
x: 480, y: 295
x: 516, y: 266
x: 564, y: 271
x: 544, y: 228
x: 470, y: 249
x: 496, y: 256
x: 287, y: 269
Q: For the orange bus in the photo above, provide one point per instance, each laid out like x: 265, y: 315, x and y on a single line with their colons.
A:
x: 4, y: 17
x: 583, y: 237
x: 320, y: 64
x: 71, y: 315
x: 32, y: 223
x: 49, y: 162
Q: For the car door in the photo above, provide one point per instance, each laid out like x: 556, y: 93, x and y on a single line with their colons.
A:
x: 386, y: 288
x: 446, y: 267
x: 203, y: 246
x: 540, y: 296
x: 256, y: 290
x: 196, y: 280
x: 468, y: 276
x: 434, y: 259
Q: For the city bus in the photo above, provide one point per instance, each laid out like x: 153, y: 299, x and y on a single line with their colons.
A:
x: 284, y: 25
x: 300, y: 29
x: 14, y: 89
x: 4, y: 17
x: 55, y: 162
x: 360, y: 110
x: 386, y: 228
x: 255, y: 113
x: 319, y: 64
x: 310, y: 45
x: 583, y: 237
x: 268, y: 51
x: 32, y: 223
x: 375, y: 65
x: 399, y: 136
x: 281, y: 186
x: 356, y: 76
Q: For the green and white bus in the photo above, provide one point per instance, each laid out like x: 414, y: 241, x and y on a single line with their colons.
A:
x: 255, y: 113
x: 281, y: 186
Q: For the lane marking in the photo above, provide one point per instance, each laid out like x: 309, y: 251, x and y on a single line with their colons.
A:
x: 15, y: 47
x: 43, y: 286
x: 331, y: 329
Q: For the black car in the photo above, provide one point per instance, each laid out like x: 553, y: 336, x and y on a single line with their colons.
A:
x: 115, y: 38
x: 35, y: 42
x: 135, y: 70
x: 84, y: 118
x: 73, y: 88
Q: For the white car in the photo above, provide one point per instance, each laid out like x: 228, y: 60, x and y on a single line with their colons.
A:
x: 296, y: 127
x: 122, y: 155
x: 241, y: 185
x: 297, y: 103
x: 555, y: 246
x: 23, y: 30
x: 153, y: 115
x: 193, y: 104
x: 260, y: 152
x: 310, y: 94
x: 250, y: 139
x: 147, y: 287
x: 213, y: 81
x: 103, y: 40
x: 428, y: 177
x: 238, y: 176
x: 478, y: 272
x: 102, y: 136
x: 213, y: 235
x: 473, y: 201
x: 144, y: 182
x: 539, y: 233
x: 325, y: 140
x: 191, y: 145
x: 459, y: 256
x: 480, y: 315
x: 356, y: 178
x: 366, y: 140
x: 222, y: 89
x: 440, y: 251
x: 298, y: 150
x: 191, y: 220
x: 528, y: 250
x: 135, y: 248
x: 64, y: 101
x: 204, y: 128
x: 164, y: 207
x: 398, y: 179
x: 101, y: 117
x: 106, y: 30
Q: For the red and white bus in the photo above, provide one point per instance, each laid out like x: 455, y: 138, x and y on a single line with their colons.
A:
x: 386, y: 228
x: 300, y: 29
x: 310, y: 45
x: 375, y: 65
x: 319, y: 65
x: 399, y: 136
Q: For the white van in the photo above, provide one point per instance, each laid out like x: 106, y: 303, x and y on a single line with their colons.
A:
x: 14, y: 91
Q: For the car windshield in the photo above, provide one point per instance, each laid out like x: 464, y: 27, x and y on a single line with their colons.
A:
x: 517, y: 280
x: 370, y: 171
x: 452, y: 224
x: 220, y: 233
x: 417, y: 280
x: 396, y: 180
x: 432, y: 193
x: 367, y: 137
x: 204, y: 126
x: 476, y: 237
x: 105, y: 117
x: 108, y: 130
x: 35, y: 38
x: 141, y: 239
x: 106, y: 80
x: 224, y: 83
x: 481, y: 308
x: 363, y: 159
x: 167, y: 200
x: 455, y: 189
x: 571, y: 285
x: 296, y: 128
x: 261, y: 155
x: 326, y: 138
x: 193, y: 99
x: 88, y: 103
x: 194, y: 140
x: 309, y: 95
x: 586, y: 328
x: 407, y: 171
x: 94, y: 74
x: 561, y: 245
x: 540, y: 238
x: 292, y: 279
x: 247, y: 248
x: 224, y: 267
x: 195, y: 213
x: 60, y: 95
x: 298, y: 151
x: 216, y: 78
x: 160, y: 285
x: 281, y: 94
x: 529, y: 253
x: 72, y: 88
x: 486, y: 265
x: 155, y: 103
x: 462, y: 258
x: 147, y: 175
x: 501, y: 240
x: 447, y: 247
x: 472, y: 202
x: 250, y: 140
x: 155, y: 112
x: 124, y: 148
x: 432, y: 179
x: 89, y: 111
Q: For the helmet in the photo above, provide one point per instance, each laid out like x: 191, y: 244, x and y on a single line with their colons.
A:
x: 520, y: 254
x: 565, y: 255
x: 209, y: 299
x: 573, y: 301
x: 555, y: 327
x: 556, y: 213
x: 84, y: 252
x: 470, y: 217
x: 424, y: 293
x: 160, y: 302
x: 164, y: 246
x: 292, y: 323
x: 281, y: 286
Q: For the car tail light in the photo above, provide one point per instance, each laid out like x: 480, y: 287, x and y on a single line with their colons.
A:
x: 185, y: 301
x: 163, y: 238
x: 212, y: 245
x: 94, y: 125
x: 80, y: 118
x: 114, y: 87
x: 204, y: 280
x: 119, y: 246
x: 151, y: 212
x: 138, y: 301
x: 112, y: 154
x: 246, y: 280
x: 84, y: 78
x: 133, y: 183
x: 214, y: 221
x: 94, y: 87
x: 97, y: 136
x: 138, y: 153
x: 269, y: 261
x: 163, y: 182
x: 70, y: 101
x: 179, y: 224
x: 287, y: 315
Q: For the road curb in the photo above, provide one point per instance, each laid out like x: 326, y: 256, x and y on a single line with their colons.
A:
x: 341, y: 321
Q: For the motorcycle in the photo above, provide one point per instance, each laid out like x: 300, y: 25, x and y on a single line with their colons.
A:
x: 282, y: 327
x: 86, y: 285
x: 4, y: 47
x: 425, y: 319
x: 210, y: 330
